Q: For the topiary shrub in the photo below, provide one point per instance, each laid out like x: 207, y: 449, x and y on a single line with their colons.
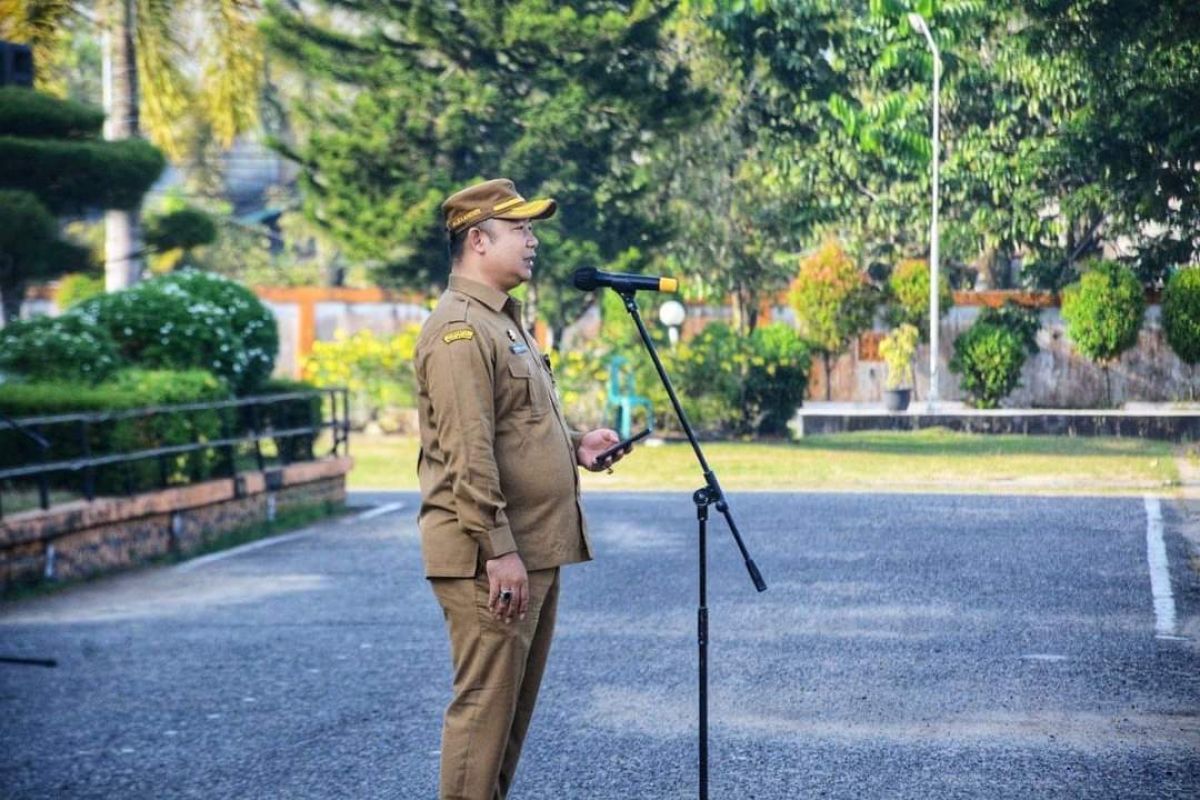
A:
x: 989, y: 359
x: 1103, y: 313
x: 1181, y: 315
x: 58, y: 348
x: 191, y: 320
x: 908, y: 296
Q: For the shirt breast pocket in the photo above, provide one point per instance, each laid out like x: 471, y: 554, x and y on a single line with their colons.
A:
x: 528, y: 392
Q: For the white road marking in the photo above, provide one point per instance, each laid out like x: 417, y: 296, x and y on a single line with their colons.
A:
x: 386, y: 508
x: 1160, y: 573
x: 196, y: 563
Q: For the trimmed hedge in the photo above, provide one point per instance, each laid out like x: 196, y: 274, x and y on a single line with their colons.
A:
x: 286, y: 414
x: 125, y: 390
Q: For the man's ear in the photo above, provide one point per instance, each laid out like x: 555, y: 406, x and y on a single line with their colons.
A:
x: 478, y: 240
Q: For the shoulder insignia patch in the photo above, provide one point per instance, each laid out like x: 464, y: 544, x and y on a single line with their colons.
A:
x: 459, y: 335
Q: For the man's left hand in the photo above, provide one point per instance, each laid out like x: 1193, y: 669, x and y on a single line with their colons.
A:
x: 593, y: 444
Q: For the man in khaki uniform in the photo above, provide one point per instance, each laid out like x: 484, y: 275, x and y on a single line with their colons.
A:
x: 500, y: 509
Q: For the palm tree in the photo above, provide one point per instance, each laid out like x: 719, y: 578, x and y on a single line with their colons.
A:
x: 145, y: 89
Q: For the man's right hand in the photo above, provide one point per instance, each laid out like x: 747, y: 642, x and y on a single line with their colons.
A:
x: 507, y: 574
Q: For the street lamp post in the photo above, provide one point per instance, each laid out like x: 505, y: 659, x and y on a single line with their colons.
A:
x: 919, y: 24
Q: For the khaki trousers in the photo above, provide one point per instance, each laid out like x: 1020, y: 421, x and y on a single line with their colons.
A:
x: 497, y: 671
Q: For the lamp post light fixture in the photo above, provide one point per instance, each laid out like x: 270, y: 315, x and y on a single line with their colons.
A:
x: 918, y: 23
x: 672, y: 314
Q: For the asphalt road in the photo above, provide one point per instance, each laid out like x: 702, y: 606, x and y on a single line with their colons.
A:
x: 908, y: 647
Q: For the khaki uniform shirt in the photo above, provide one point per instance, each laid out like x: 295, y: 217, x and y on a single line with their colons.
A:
x: 497, y: 464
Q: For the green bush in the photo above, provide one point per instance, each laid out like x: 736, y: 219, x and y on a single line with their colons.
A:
x: 730, y: 383
x: 1181, y: 313
x: 58, y: 348
x: 252, y: 322
x: 989, y: 359
x: 1023, y: 322
x: 191, y: 320
x: 126, y: 389
x: 775, y: 379
x: 1103, y: 313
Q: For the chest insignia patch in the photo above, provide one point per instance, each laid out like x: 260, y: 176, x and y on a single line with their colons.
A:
x: 512, y: 335
x: 462, y: 334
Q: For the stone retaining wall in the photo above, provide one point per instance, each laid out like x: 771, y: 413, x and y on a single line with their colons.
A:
x: 1170, y: 426
x: 80, y: 539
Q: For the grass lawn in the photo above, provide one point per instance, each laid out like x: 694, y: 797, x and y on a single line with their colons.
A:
x: 924, y: 461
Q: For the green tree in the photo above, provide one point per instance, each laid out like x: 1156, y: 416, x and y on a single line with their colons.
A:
x: 1137, y: 132
x: 1103, y: 312
x: 834, y: 302
x: 414, y: 100
x: 149, y: 89
x: 52, y: 163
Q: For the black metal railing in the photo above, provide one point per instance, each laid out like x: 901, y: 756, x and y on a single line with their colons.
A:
x: 243, y: 423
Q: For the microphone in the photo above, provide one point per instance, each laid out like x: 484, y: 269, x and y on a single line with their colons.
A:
x: 588, y: 278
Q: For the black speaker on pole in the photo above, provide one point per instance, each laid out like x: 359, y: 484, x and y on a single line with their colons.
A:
x: 16, y: 64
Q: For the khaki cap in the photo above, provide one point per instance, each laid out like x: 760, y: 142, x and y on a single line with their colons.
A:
x: 492, y: 199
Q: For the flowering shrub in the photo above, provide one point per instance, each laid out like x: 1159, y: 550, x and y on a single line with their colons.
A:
x: 54, y: 348
x: 191, y: 320
x: 377, y: 371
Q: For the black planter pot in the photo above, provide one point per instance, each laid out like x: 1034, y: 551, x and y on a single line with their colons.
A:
x: 896, y: 400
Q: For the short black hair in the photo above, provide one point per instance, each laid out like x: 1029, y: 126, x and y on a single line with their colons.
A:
x: 459, y: 239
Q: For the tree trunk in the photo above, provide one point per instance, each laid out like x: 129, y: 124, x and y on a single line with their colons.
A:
x: 122, y: 239
x: 828, y: 376
x: 11, y: 295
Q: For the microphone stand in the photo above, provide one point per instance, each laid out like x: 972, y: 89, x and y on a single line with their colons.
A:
x: 708, y: 495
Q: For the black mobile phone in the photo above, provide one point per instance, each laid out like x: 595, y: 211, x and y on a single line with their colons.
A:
x: 619, y: 446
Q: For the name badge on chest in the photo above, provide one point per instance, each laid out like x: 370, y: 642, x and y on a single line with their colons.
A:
x: 518, y: 348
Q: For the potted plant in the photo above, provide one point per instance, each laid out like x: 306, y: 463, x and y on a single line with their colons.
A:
x: 897, y: 349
